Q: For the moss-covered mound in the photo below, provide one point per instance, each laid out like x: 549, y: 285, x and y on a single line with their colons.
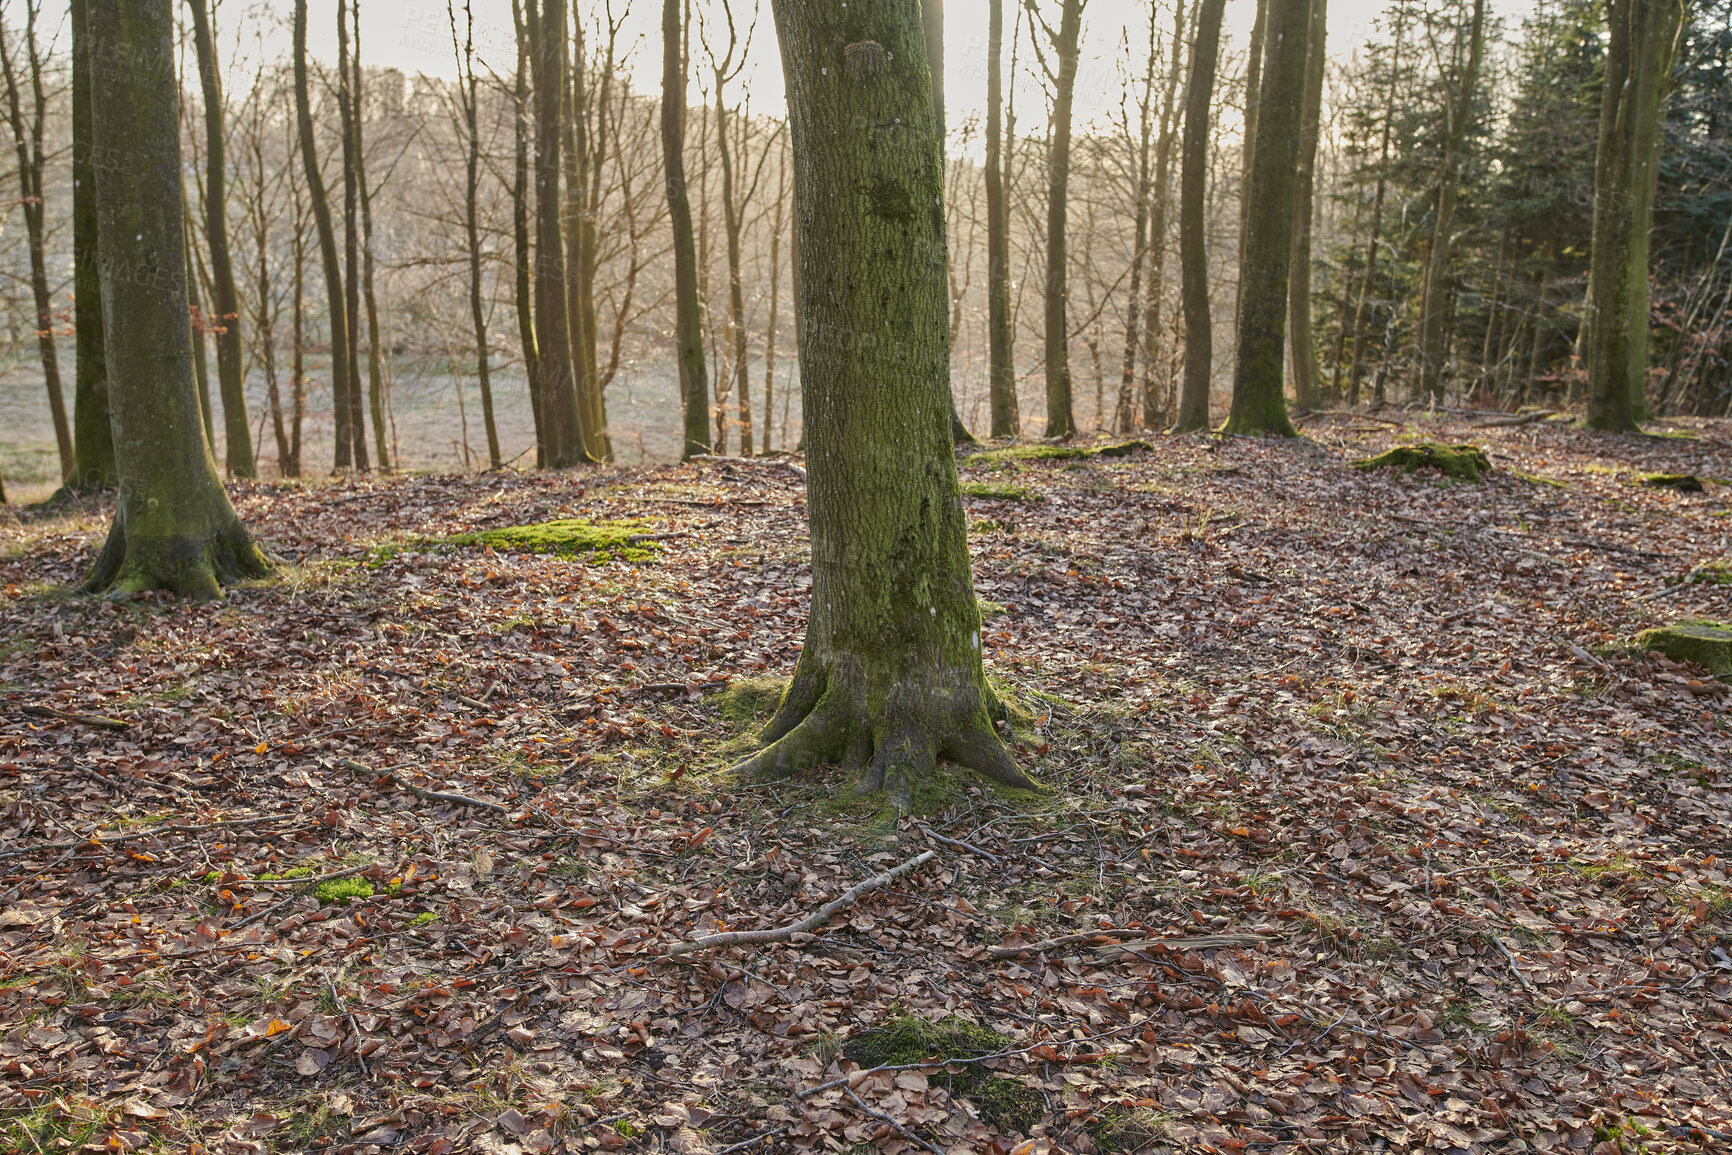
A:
x: 1682, y: 482
x: 1055, y: 452
x: 1004, y: 1103
x: 998, y: 492
x: 569, y: 537
x: 1707, y: 644
x: 1462, y: 462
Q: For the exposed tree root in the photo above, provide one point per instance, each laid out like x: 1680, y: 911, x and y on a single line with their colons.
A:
x: 189, y: 566
x: 892, y: 729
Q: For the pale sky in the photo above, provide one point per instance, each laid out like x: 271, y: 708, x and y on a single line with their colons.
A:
x: 416, y: 37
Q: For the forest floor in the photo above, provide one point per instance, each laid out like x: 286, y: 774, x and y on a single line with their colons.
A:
x: 1380, y: 722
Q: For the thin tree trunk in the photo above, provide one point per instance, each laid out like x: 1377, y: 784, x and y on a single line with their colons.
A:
x: 375, y: 373
x: 468, y: 100
x: 1248, y: 144
x: 321, y: 205
x: 346, y: 119
x: 547, y: 38
x: 1458, y: 114
x: 1059, y: 419
x: 225, y: 301
x: 1134, y: 311
x: 1001, y: 373
x: 28, y: 141
x: 298, y: 362
x: 1153, y: 417
x: 523, y: 255
x: 688, y: 322
x: 93, y: 441
x: 1259, y: 403
x: 779, y: 222
x: 173, y: 525
x: 1300, y: 352
x: 1367, y: 277
x: 1193, y: 249
x: 196, y: 316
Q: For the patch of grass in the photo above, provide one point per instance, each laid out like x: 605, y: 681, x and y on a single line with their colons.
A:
x: 1460, y: 462
x: 983, y: 526
x: 1536, y: 479
x: 341, y: 890
x: 292, y: 872
x: 1008, y: 1104
x: 990, y: 608
x: 569, y: 537
x: 997, y: 491
x: 910, y: 1039
x: 1137, y: 1129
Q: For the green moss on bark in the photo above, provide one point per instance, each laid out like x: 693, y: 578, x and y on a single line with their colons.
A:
x: 1461, y: 462
x: 1705, y: 643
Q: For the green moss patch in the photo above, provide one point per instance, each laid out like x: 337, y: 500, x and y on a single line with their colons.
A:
x: 998, y: 492
x: 1004, y: 1103
x: 1461, y: 462
x: 1713, y: 573
x: 749, y: 702
x: 570, y: 537
x: 1682, y: 482
x: 1055, y: 452
x: 1707, y: 644
x: 341, y: 890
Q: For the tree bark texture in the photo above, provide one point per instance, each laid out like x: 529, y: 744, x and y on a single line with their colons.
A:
x: 1001, y: 366
x: 688, y: 323
x: 1193, y: 250
x: 1301, y: 356
x: 173, y: 525
x: 890, y: 677
x: 93, y: 440
x: 1060, y: 421
x: 552, y: 331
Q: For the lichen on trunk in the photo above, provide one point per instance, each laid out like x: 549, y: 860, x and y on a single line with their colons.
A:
x: 890, y: 678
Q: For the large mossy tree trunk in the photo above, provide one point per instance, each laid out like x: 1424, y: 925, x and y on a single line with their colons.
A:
x: 341, y: 383
x: 688, y: 316
x: 1639, y: 50
x: 93, y: 439
x: 173, y: 525
x: 1259, y: 404
x: 890, y: 677
x: 225, y: 300
x: 1193, y: 248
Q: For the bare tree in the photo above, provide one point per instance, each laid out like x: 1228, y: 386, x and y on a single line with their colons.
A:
x: 1058, y: 60
x: 27, y: 135
x: 1193, y: 252
x: 468, y: 104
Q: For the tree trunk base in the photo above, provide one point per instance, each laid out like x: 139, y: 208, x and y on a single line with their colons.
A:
x: 891, y: 727
x: 1260, y: 425
x: 192, y: 567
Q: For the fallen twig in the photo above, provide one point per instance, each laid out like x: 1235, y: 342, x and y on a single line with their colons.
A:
x: 1190, y: 942
x: 1520, y: 419
x: 741, y: 1146
x: 353, y: 1026
x: 1053, y: 943
x: 758, y: 461
x: 100, y: 721
x: 1527, y: 983
x: 959, y: 844
x: 307, y: 881
x: 816, y: 919
x: 153, y: 832
x: 421, y: 791
x: 883, y: 1118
